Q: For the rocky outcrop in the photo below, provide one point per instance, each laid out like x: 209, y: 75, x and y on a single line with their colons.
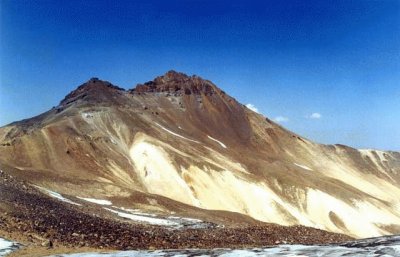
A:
x: 95, y: 87
x: 176, y: 82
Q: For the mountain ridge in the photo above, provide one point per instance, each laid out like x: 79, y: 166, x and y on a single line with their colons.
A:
x: 95, y: 88
x: 157, y: 85
x: 161, y: 142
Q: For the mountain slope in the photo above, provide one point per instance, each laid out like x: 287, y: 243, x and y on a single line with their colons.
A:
x: 183, y: 138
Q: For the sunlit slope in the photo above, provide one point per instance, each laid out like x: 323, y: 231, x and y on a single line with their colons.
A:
x: 183, y: 138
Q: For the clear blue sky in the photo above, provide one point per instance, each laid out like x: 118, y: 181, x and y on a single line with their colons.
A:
x: 290, y: 59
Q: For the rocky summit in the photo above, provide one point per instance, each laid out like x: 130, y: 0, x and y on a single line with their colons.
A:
x: 177, y: 83
x: 176, y: 162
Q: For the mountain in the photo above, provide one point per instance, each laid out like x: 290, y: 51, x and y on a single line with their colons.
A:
x: 180, y: 145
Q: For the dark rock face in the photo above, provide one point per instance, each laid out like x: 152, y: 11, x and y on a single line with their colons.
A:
x: 94, y: 86
x: 174, y: 82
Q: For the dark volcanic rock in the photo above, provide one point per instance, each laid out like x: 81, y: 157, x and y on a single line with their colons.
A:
x: 173, y: 82
x: 94, y: 86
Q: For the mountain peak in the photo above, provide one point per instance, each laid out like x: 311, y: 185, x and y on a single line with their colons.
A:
x: 174, y: 76
x: 93, y: 86
x: 175, y: 82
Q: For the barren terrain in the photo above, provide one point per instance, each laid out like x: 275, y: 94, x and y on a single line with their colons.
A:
x: 176, y: 163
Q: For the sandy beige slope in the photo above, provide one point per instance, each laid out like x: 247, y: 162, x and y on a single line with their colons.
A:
x: 183, y: 138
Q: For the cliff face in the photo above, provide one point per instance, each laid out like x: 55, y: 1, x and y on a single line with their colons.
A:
x: 180, y: 139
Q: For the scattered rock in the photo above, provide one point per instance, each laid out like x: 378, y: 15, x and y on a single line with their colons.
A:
x: 47, y: 243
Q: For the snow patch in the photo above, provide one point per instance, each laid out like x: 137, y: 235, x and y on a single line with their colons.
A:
x: 174, y: 222
x: 96, y: 201
x: 135, y: 211
x: 219, y: 142
x: 87, y: 115
x: 186, y: 219
x: 302, y: 166
x: 7, y: 247
x: 378, y: 247
x: 175, y: 134
x: 150, y: 220
x: 56, y: 195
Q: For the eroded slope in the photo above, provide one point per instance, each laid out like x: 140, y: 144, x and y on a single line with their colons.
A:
x: 182, y: 138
